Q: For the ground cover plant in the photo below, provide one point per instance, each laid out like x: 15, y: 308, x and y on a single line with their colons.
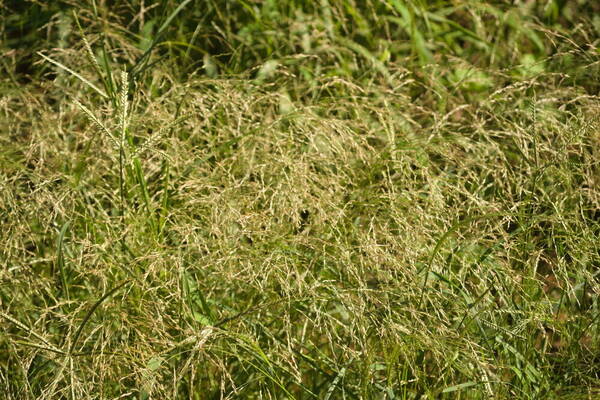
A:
x: 333, y: 199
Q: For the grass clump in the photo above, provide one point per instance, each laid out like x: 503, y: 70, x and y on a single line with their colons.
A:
x: 333, y: 199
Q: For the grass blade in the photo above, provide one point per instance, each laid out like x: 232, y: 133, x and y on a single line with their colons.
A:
x: 91, y: 312
x: 61, y: 259
x: 159, y: 33
x: 75, y: 74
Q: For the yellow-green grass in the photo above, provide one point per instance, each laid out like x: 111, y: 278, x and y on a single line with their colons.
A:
x: 329, y: 212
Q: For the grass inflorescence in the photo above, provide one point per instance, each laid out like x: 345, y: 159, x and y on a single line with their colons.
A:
x: 331, y: 199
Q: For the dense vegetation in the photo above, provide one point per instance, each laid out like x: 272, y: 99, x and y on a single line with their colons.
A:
x: 329, y: 199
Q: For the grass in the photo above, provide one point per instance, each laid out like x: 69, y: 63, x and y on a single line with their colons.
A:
x: 336, y: 199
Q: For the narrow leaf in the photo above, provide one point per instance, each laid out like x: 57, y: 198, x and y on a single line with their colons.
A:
x: 75, y: 74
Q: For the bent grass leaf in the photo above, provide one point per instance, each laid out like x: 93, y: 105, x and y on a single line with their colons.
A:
x: 75, y: 74
x: 91, y: 312
x: 459, y: 387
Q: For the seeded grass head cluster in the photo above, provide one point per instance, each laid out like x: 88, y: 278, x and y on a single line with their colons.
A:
x: 328, y: 211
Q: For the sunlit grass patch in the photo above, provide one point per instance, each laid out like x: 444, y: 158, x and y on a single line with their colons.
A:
x: 382, y: 201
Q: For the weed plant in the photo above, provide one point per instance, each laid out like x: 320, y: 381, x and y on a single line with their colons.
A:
x: 333, y: 199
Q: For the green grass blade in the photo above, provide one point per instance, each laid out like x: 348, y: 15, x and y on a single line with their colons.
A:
x: 459, y: 387
x: 75, y: 74
x: 139, y: 173
x: 60, y: 259
x: 91, y: 312
x: 137, y: 68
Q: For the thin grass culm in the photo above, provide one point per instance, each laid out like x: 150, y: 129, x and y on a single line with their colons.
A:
x: 300, y: 200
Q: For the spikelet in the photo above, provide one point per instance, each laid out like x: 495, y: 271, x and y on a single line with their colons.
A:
x: 97, y: 122
x: 123, y: 108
